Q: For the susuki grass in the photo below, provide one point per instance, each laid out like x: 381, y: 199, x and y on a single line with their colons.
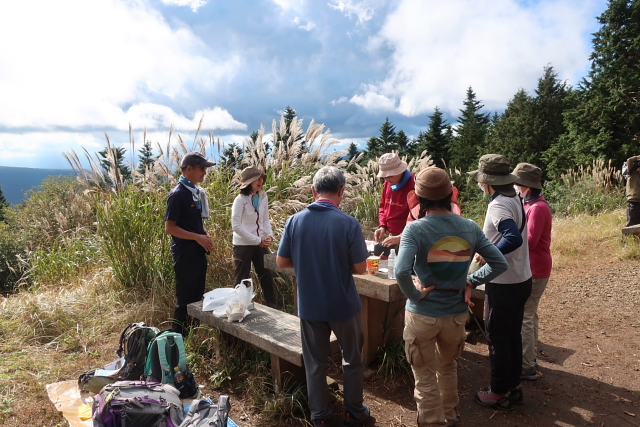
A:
x: 95, y: 257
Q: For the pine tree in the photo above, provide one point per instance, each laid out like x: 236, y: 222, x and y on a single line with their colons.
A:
x: 385, y: 143
x: 232, y: 155
x: 468, y: 145
x: 405, y: 146
x: 118, y: 154
x: 352, y: 151
x: 146, y: 157
x: 436, y: 139
x: 606, y: 121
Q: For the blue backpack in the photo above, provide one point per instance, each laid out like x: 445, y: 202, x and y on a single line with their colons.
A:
x: 167, y: 364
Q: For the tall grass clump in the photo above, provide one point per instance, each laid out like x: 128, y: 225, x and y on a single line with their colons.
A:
x: 587, y: 190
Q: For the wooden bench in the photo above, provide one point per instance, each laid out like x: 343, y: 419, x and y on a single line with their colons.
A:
x: 271, y: 330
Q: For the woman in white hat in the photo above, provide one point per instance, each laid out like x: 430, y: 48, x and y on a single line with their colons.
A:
x: 252, y: 232
x: 394, y: 207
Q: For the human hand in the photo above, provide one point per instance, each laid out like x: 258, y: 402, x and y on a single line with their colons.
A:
x: 266, y: 242
x: 481, y: 260
x: 467, y: 294
x: 379, y: 233
x: 391, y: 241
x: 419, y: 286
x: 205, y: 241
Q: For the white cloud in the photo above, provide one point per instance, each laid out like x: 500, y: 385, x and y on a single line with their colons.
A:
x: 340, y: 100
x: 494, y: 46
x: 360, y: 9
x: 79, y: 64
x: 155, y: 116
x: 193, y: 4
x: 374, y: 101
x: 311, y: 25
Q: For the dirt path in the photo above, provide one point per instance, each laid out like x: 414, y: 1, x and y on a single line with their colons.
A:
x: 589, y: 355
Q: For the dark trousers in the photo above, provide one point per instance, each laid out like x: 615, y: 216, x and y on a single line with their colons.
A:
x: 505, y: 310
x: 190, y: 266
x: 633, y: 213
x: 243, y: 256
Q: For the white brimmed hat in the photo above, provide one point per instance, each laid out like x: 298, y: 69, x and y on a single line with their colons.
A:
x: 390, y: 165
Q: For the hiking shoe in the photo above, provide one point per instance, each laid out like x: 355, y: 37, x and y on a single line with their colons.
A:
x: 494, y: 400
x: 529, y: 375
x: 351, y: 421
x: 516, y: 395
x: 321, y: 423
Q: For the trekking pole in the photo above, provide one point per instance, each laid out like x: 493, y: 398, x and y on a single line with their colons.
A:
x: 478, y: 323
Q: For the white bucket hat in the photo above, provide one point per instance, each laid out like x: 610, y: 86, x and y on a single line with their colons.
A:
x: 390, y: 165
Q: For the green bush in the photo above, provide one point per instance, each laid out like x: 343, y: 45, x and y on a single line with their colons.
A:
x: 131, y: 229
x: 12, y: 252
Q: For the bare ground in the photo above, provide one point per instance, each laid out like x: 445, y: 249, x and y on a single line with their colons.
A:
x: 589, y: 354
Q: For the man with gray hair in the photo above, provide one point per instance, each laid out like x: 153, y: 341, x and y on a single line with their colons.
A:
x: 326, y: 247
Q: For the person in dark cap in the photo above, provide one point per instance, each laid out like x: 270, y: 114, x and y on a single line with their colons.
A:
x: 186, y: 208
x: 539, y: 221
x: 505, y: 297
x: 252, y: 233
x: 439, y: 246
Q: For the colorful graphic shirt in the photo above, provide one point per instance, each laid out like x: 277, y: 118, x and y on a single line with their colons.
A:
x: 439, y: 248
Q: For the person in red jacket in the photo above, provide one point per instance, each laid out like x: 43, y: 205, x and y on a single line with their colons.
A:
x: 394, y: 207
x: 539, y: 232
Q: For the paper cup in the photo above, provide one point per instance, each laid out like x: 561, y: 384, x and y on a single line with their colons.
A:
x: 373, y: 264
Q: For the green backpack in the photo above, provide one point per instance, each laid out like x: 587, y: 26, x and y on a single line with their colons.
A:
x: 167, y: 364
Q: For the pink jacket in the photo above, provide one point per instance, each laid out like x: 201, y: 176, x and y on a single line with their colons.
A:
x: 539, y: 231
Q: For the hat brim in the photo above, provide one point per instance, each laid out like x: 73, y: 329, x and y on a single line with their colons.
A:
x: 395, y: 171
x: 529, y: 183
x: 245, y: 184
x: 493, y: 179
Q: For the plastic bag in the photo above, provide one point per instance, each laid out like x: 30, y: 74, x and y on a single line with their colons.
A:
x: 237, y: 304
x: 216, y: 298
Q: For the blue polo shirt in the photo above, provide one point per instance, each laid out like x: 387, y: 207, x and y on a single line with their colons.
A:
x: 323, y: 242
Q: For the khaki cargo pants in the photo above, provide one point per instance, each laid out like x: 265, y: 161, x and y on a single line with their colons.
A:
x: 432, y: 345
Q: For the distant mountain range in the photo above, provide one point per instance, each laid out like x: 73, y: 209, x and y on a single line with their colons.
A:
x: 16, y: 181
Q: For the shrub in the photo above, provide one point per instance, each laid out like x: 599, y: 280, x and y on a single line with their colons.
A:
x: 12, y: 252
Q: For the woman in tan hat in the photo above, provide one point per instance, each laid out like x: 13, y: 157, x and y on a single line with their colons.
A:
x: 505, y: 226
x: 394, y: 207
x: 439, y: 246
x: 539, y: 220
x: 252, y: 233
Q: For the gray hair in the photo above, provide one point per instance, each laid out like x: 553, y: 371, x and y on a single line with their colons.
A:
x: 329, y: 180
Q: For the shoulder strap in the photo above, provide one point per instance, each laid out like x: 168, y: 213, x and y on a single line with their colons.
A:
x: 165, y: 367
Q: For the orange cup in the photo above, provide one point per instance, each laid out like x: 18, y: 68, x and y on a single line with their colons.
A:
x: 373, y: 264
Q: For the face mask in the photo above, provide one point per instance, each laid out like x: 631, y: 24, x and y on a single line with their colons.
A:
x: 517, y: 188
x: 482, y: 187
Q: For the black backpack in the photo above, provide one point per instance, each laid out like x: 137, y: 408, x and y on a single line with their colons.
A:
x: 134, y: 341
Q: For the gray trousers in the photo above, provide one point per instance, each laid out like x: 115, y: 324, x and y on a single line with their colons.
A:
x: 315, y: 352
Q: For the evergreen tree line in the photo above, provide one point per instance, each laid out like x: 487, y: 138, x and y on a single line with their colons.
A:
x: 557, y: 127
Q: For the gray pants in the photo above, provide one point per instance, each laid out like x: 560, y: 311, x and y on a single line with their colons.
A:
x: 530, y: 325
x: 315, y: 352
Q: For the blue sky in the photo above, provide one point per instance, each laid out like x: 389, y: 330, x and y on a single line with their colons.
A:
x: 73, y: 70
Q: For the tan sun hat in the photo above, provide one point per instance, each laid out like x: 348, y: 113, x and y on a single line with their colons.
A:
x: 528, y: 175
x: 390, y: 165
x: 250, y: 174
x: 493, y: 169
x: 433, y: 183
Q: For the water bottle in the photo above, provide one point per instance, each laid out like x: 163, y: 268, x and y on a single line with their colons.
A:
x: 178, y: 376
x: 391, y: 264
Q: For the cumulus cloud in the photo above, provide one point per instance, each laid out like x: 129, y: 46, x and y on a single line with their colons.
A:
x: 154, y: 116
x: 374, y: 101
x: 193, y: 4
x: 85, y: 64
x: 360, y: 9
x: 340, y: 100
x: 494, y: 46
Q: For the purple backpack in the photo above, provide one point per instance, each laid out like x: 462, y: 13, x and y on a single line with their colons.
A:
x: 137, y: 404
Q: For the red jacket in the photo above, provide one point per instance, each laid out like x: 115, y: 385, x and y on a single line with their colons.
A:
x: 394, y: 207
x: 539, y: 232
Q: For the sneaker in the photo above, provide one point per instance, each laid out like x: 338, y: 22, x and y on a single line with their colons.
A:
x: 494, y: 400
x: 516, y: 395
x: 350, y: 421
x: 321, y: 423
x: 529, y: 375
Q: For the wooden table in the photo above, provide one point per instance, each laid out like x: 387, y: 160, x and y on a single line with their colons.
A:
x: 382, y: 307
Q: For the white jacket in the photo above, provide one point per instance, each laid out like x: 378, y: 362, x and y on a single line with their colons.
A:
x: 249, y: 226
